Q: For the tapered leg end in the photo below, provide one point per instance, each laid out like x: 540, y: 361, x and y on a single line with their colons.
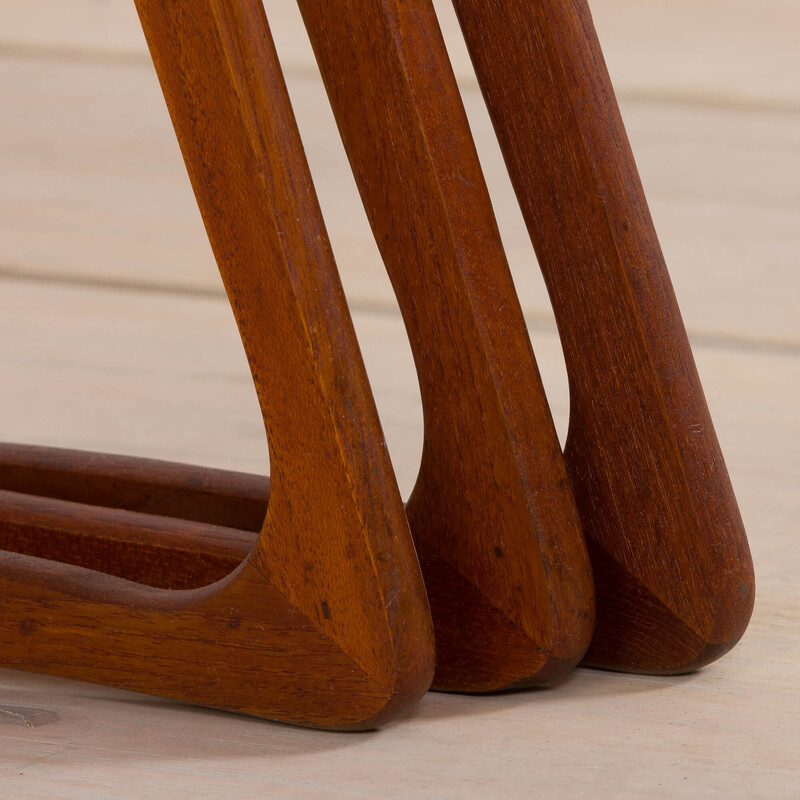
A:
x: 637, y: 632
x: 479, y: 649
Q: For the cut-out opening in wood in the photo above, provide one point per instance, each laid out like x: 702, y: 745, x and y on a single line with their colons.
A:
x: 370, y: 296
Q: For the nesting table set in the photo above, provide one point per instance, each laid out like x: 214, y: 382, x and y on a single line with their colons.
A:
x: 316, y: 597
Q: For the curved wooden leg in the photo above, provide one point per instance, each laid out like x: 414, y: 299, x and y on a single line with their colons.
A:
x: 492, y: 512
x: 326, y: 622
x: 672, y: 567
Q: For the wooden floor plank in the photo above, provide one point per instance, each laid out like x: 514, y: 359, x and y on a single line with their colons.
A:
x: 94, y: 189
x: 725, y: 51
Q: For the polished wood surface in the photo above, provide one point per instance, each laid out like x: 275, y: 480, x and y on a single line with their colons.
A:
x: 471, y: 526
x: 672, y: 568
x: 326, y: 622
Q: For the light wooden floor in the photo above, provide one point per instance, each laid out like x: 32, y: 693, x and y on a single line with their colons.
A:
x: 113, y: 324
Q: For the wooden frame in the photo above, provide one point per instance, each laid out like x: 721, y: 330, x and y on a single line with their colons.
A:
x: 492, y: 512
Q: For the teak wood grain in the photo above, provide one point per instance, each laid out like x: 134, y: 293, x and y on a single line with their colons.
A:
x: 171, y: 526
x: 673, y: 572
x: 326, y: 622
x: 492, y: 511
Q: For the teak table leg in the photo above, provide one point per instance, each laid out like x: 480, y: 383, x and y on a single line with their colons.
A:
x: 492, y: 512
x: 325, y: 623
x: 672, y: 568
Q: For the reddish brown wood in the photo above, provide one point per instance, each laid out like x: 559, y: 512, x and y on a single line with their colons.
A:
x: 172, y: 526
x: 161, y: 551
x: 673, y: 571
x: 148, y: 486
x: 492, y: 512
x: 326, y: 622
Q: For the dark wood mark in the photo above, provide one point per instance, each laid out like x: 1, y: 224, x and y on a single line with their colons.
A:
x: 334, y: 532
x: 673, y: 571
x: 26, y: 717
